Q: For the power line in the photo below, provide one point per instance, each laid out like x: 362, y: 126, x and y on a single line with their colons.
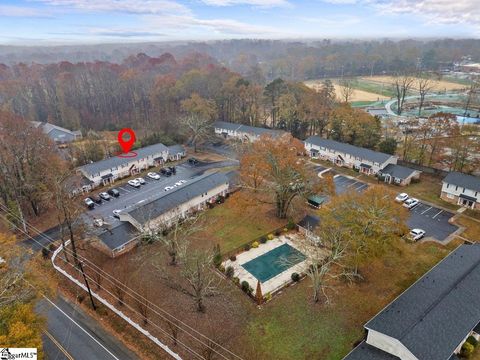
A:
x: 113, y: 281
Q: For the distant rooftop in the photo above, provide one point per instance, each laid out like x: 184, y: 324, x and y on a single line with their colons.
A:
x: 258, y: 131
x: 466, y: 181
x: 362, y: 153
x: 119, y: 235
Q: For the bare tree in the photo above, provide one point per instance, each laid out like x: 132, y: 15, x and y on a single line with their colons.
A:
x: 197, y: 272
x: 424, y: 85
x: 472, y: 93
x: 402, y: 84
x: 347, y: 90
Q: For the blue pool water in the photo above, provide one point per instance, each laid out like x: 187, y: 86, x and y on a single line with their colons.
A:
x: 274, y: 262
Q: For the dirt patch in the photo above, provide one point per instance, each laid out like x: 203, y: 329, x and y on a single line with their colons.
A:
x: 358, y: 95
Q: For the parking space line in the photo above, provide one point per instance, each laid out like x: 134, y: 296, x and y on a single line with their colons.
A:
x: 434, y: 216
x: 423, y: 212
x: 364, y: 185
x: 351, y: 184
x: 124, y: 189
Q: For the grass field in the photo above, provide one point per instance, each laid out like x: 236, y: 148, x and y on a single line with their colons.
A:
x: 441, y: 85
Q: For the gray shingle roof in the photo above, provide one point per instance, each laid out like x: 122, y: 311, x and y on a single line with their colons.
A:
x: 365, y: 351
x: 398, y: 171
x: 173, y: 198
x: 434, y: 315
x: 119, y: 235
x: 248, y: 129
x: 309, y: 222
x: 116, y: 161
x: 175, y: 149
x: 362, y: 153
x: 466, y: 181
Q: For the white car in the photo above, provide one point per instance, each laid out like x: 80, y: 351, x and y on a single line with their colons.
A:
x: 116, y: 213
x: 401, y: 197
x: 411, y: 203
x: 141, y: 180
x: 135, y: 183
x: 89, y: 202
x: 98, y: 222
x: 169, y: 188
x: 153, y: 175
x: 105, y: 196
x: 417, y: 234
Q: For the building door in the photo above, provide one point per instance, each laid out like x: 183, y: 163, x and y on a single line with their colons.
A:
x: 467, y: 203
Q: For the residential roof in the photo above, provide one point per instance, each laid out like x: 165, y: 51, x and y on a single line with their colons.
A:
x: 176, y: 149
x: 309, y: 222
x: 248, y: 129
x: 362, y: 153
x: 118, y: 236
x: 115, y: 161
x: 47, y: 128
x: 434, y: 315
x: 365, y: 351
x: 460, y: 179
x: 398, y: 171
x: 319, y: 199
x: 171, y: 199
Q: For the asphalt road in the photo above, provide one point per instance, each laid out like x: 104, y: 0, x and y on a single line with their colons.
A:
x: 40, y: 241
x: 129, y: 196
x: 429, y: 218
x: 73, y: 334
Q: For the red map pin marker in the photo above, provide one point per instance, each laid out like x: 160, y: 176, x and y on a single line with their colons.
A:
x: 126, y: 145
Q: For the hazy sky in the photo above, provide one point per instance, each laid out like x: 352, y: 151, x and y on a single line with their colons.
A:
x: 89, y: 21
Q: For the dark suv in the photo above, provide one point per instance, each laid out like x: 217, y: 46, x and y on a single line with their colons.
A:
x: 113, y: 192
x: 173, y: 169
x: 193, y: 161
x: 166, y: 172
x: 96, y: 199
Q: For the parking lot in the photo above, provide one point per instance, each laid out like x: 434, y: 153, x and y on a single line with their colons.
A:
x: 343, y: 184
x: 429, y: 218
x: 130, y: 196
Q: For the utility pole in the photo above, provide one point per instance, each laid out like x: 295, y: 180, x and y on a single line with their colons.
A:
x: 80, y: 266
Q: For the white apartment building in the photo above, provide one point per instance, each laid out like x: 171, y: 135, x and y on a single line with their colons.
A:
x: 461, y: 189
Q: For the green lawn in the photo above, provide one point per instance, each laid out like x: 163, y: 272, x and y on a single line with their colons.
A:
x: 291, y: 326
x: 233, y: 224
x: 373, y: 87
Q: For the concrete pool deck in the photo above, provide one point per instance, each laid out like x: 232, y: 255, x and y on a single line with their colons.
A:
x: 278, y: 281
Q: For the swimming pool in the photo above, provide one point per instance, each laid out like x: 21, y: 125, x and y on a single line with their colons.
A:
x: 274, y: 262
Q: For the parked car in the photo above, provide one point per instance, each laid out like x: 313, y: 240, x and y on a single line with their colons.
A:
x: 153, y: 175
x: 96, y: 199
x: 192, y: 161
x: 165, y: 171
x: 98, y: 222
x: 411, y: 203
x: 113, y: 192
x: 105, y: 196
x: 173, y: 169
x: 141, y: 180
x: 417, y: 234
x: 401, y: 197
x: 169, y: 188
x: 134, y: 183
x: 116, y: 213
x: 89, y: 202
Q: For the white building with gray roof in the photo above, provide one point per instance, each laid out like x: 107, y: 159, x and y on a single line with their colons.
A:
x: 243, y: 133
x: 433, y: 318
x: 108, y: 170
x: 461, y: 189
x: 56, y: 133
x: 367, y: 161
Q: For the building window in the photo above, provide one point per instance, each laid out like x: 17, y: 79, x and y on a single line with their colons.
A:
x: 456, y: 188
x: 448, y: 185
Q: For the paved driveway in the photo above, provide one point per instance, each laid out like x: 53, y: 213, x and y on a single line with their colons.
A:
x: 433, y: 220
x: 429, y: 218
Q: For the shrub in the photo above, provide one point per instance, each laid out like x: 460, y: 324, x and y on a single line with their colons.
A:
x: 236, y: 280
x: 233, y: 258
x: 277, y: 232
x: 217, y: 257
x: 247, y: 247
x: 45, y: 253
x: 263, y: 240
x: 268, y: 297
x: 221, y: 268
x: 229, y: 271
x: 467, y: 350
x: 472, y: 340
x: 246, y: 287
x: 285, y: 229
x: 270, y: 236
x: 295, y: 277
x: 291, y: 224
x: 80, y: 298
x: 255, y: 244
